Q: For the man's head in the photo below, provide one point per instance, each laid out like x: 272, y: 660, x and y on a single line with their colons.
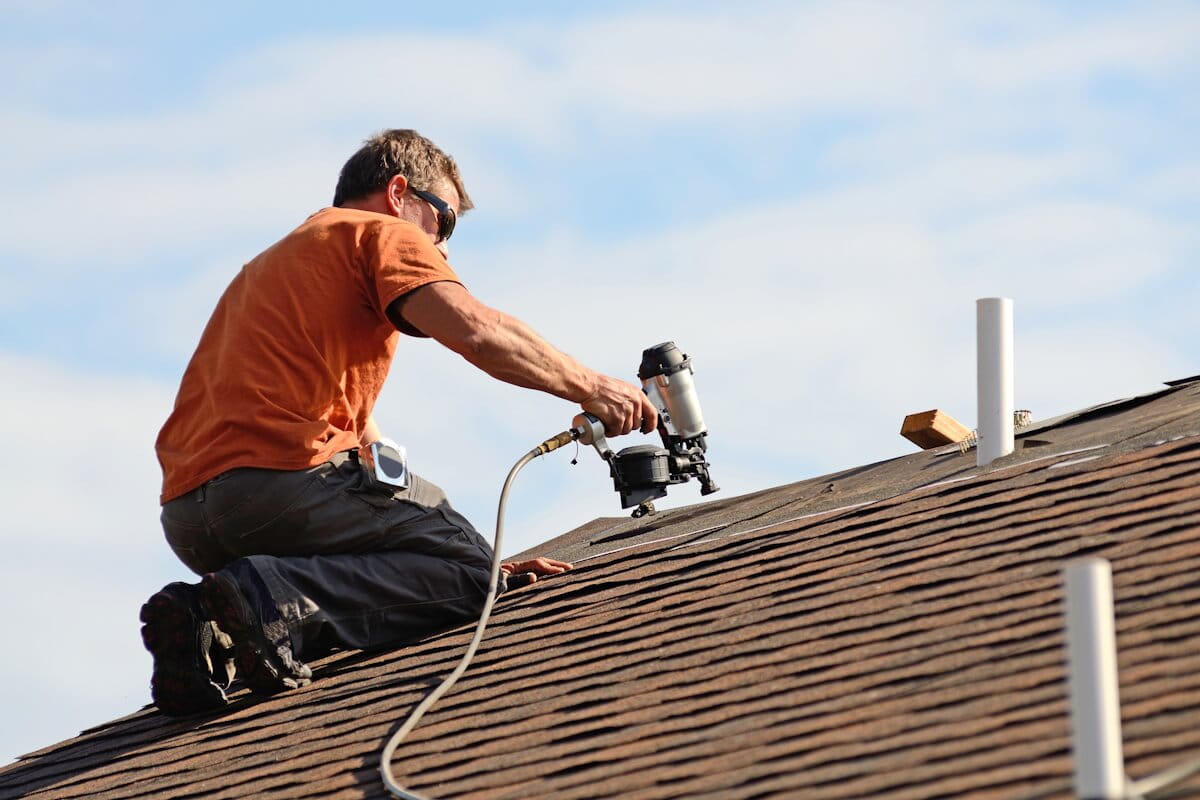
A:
x: 392, y: 164
x: 398, y: 152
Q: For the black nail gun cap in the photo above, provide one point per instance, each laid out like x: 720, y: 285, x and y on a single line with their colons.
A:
x: 519, y: 579
x: 662, y: 359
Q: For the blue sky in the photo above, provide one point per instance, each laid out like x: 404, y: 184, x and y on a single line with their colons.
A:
x: 808, y: 197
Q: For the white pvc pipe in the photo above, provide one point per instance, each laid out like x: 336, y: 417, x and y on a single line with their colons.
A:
x: 994, y: 377
x: 1092, y: 681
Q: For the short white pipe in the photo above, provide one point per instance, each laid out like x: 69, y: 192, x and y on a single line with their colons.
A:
x: 994, y: 377
x: 1092, y: 681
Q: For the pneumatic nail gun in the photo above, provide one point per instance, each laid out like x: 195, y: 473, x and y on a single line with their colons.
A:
x: 642, y: 473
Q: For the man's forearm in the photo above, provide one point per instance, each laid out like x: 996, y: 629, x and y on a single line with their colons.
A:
x: 508, y: 349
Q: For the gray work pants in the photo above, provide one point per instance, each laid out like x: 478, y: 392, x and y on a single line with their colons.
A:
x: 344, y: 565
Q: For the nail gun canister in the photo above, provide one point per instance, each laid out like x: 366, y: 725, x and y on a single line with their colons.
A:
x: 666, y: 374
x: 645, y: 466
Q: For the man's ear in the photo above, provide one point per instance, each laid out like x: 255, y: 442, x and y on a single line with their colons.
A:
x: 394, y: 192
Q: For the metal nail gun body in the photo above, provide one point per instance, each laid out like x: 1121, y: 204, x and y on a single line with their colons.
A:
x: 641, y: 473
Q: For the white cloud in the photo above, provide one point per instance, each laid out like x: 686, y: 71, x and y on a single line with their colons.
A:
x: 861, y: 55
x: 91, y: 478
x: 122, y: 218
x: 44, y: 69
x: 178, y: 310
x: 1075, y: 251
x: 83, y: 545
x: 819, y: 310
x: 263, y: 136
x: 1069, y: 366
x: 1067, y: 49
x: 1178, y: 183
x: 75, y: 618
x: 664, y: 66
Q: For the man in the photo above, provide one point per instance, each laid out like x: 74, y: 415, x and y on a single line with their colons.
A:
x: 264, y: 491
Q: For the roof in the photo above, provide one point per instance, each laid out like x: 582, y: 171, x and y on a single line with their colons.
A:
x: 892, y: 629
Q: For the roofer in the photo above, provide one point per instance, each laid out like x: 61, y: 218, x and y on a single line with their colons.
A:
x: 265, y: 493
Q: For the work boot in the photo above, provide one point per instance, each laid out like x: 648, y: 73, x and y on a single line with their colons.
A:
x: 181, y: 640
x: 265, y: 666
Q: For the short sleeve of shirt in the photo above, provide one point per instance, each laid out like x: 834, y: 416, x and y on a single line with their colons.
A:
x: 399, y: 259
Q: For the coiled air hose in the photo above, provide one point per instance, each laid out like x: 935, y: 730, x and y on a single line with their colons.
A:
x: 385, y: 760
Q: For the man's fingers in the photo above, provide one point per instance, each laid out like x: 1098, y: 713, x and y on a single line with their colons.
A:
x: 549, y: 566
x: 622, y: 407
x: 612, y: 423
x: 523, y: 573
x: 649, y: 415
x: 537, y: 566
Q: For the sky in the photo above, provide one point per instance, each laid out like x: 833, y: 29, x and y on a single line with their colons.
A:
x: 807, y: 197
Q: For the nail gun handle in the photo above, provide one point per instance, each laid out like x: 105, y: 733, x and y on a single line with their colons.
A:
x: 589, y: 428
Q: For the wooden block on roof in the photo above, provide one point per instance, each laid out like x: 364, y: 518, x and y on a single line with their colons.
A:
x: 935, y: 428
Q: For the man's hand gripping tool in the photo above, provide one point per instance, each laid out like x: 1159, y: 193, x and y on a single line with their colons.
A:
x: 641, y: 473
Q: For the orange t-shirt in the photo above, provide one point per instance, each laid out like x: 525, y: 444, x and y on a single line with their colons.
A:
x: 296, y: 352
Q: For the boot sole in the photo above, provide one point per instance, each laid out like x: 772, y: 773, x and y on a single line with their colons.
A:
x: 180, y: 684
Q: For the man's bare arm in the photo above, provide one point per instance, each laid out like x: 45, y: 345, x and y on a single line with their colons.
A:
x: 508, y: 349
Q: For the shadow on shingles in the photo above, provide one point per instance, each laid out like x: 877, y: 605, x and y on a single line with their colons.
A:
x: 101, y: 746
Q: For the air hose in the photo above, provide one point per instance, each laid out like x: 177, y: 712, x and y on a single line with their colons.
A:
x: 385, y: 760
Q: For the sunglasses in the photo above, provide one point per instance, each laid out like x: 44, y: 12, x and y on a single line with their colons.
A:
x: 446, y: 217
